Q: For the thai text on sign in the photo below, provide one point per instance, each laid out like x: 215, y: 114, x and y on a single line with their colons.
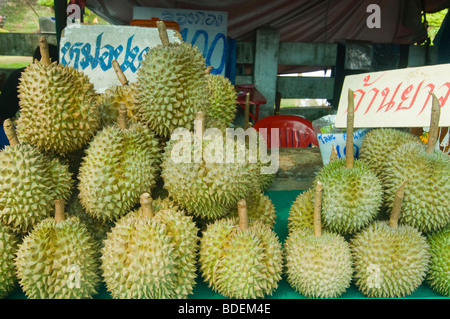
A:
x: 397, y: 98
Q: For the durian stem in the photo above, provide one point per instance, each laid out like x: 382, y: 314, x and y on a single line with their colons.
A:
x: 122, y: 119
x: 59, y: 210
x: 318, y: 210
x: 147, y: 205
x: 45, y: 55
x: 433, y: 133
x: 247, y: 110
x: 397, y: 205
x: 333, y: 155
x: 162, y: 30
x: 122, y: 78
x: 208, y: 69
x: 200, y: 123
x: 243, y: 215
x: 350, y: 123
x: 10, y: 132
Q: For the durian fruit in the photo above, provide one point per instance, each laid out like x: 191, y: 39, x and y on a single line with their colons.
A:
x: 58, y: 259
x: 58, y: 106
x: 113, y: 96
x: 222, y: 101
x: 30, y: 182
x: 301, y: 212
x: 9, y: 242
x: 199, y: 178
x: 390, y: 260
x: 151, y: 253
x: 172, y: 86
x: 426, y: 203
x: 259, y: 207
x: 318, y: 262
x: 352, y: 193
x: 241, y: 258
x: 121, y: 162
x: 379, y: 143
x: 438, y: 276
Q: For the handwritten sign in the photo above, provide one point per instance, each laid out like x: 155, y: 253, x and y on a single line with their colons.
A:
x: 397, y: 98
x: 205, y: 29
x: 327, y: 140
x: 91, y: 49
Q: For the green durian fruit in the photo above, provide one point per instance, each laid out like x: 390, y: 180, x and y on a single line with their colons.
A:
x: 9, y: 242
x: 172, y: 86
x: 390, y: 260
x: 318, y: 262
x: 379, y: 143
x: 301, y: 213
x: 121, y: 163
x: 241, y: 258
x: 426, y: 204
x: 438, y: 276
x: 259, y: 207
x: 151, y: 253
x: 199, y: 178
x: 30, y: 183
x: 58, y: 107
x: 352, y: 197
x: 58, y: 259
x: 98, y: 228
x: 222, y: 101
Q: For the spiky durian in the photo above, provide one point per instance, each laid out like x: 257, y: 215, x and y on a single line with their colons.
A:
x: 121, y: 163
x: 113, y: 96
x: 241, y: 258
x: 30, y: 182
x: 199, y: 177
x: 379, y: 143
x: 318, y: 262
x: 438, y: 276
x: 151, y: 253
x: 259, y: 207
x: 301, y: 212
x: 171, y: 83
x: 222, y: 101
x: 58, y: 106
x: 426, y: 203
x: 390, y: 260
x: 9, y: 242
x: 58, y: 259
x: 352, y: 193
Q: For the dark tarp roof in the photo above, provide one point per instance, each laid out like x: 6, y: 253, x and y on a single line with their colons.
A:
x: 298, y: 20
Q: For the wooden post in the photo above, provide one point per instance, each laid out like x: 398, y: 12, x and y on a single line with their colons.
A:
x: 266, y: 67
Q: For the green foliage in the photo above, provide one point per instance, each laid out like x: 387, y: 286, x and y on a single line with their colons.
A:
x: 48, y: 3
x: 434, y: 22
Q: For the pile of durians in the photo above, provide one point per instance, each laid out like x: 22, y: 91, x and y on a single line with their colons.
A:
x: 90, y: 193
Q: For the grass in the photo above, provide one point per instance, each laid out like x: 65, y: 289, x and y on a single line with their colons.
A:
x: 20, y: 17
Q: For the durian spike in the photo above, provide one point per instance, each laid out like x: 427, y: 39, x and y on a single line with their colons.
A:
x: 122, y: 78
x: 162, y: 30
x: 247, y: 110
x: 10, y: 132
x: 59, y: 210
x: 318, y: 209
x: 243, y: 215
x: 333, y: 155
x: 397, y: 205
x: 433, y: 133
x: 45, y: 55
x: 122, y: 119
x: 350, y: 122
x: 208, y: 69
x: 147, y: 205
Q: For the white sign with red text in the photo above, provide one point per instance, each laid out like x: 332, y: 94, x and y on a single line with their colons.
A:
x: 396, y: 98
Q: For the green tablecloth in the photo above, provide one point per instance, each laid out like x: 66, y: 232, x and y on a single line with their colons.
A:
x: 282, y: 201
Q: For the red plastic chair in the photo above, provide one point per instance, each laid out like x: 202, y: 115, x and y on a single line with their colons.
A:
x: 294, y: 131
